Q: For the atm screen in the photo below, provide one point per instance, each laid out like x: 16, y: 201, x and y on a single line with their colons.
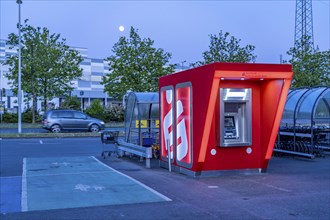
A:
x: 230, y: 128
x: 229, y: 121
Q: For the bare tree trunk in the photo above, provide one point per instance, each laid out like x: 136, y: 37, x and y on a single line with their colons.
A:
x: 45, y: 95
x: 34, y: 108
x: 45, y: 108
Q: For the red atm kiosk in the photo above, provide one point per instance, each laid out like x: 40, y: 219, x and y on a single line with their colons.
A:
x: 221, y: 116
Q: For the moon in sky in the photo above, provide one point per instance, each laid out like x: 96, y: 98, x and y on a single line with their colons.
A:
x: 121, y: 28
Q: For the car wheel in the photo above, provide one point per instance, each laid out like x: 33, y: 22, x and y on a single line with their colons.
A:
x: 56, y: 129
x: 94, y: 128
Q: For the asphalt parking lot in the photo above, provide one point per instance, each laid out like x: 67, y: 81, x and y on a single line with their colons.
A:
x: 292, y: 188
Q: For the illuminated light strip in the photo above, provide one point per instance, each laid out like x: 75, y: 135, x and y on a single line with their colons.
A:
x: 208, y: 120
x: 230, y: 94
x: 278, y: 117
x: 236, y: 94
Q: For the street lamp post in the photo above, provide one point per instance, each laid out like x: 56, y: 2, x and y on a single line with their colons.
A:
x: 1, y: 93
x: 19, y: 93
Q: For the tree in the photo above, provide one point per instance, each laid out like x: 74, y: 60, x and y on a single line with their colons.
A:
x: 310, y: 66
x: 223, y: 48
x: 135, y: 65
x: 48, y: 65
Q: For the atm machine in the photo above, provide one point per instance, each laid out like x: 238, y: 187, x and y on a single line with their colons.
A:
x: 235, y: 117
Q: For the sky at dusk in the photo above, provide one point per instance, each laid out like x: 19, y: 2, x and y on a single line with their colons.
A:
x: 179, y: 27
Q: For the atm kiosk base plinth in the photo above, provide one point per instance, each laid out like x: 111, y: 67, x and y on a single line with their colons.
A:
x: 212, y: 173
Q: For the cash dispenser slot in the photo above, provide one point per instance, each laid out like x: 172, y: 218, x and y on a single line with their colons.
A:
x: 235, y: 117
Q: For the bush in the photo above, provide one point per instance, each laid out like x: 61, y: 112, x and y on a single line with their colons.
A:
x: 115, y: 113
x: 27, y: 116
x: 110, y: 113
x: 96, y: 110
x: 10, y: 117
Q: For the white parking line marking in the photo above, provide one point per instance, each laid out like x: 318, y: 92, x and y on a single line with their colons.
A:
x: 41, y: 142
x: 136, y: 181
x: 271, y: 186
x: 24, y: 188
x: 10, y: 177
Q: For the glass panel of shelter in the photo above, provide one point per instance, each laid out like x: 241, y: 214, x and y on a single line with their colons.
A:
x: 305, y: 107
x: 322, y: 109
x: 288, y: 114
x: 128, y: 115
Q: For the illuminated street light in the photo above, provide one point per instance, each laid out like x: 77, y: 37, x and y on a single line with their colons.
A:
x: 19, y: 93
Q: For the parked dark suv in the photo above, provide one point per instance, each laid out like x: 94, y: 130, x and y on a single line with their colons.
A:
x: 58, y: 120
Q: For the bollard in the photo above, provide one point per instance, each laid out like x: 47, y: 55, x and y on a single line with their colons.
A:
x: 169, y: 155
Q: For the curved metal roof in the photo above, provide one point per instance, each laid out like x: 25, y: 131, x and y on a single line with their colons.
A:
x: 144, y: 97
x: 306, y: 106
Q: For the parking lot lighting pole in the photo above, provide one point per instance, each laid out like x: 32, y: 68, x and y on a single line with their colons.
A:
x: 19, y: 93
x: 1, y: 93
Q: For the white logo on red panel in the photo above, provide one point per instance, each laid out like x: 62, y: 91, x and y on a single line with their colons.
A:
x: 182, y: 140
x: 182, y: 124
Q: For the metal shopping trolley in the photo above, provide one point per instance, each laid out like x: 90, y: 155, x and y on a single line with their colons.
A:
x: 109, y: 143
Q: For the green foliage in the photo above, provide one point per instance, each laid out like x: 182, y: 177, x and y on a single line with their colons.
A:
x: 136, y: 66
x: 115, y: 113
x: 96, y: 110
x: 310, y: 66
x: 48, y: 64
x: 110, y: 113
x: 27, y: 116
x: 71, y: 102
x: 223, y: 48
x: 10, y: 117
